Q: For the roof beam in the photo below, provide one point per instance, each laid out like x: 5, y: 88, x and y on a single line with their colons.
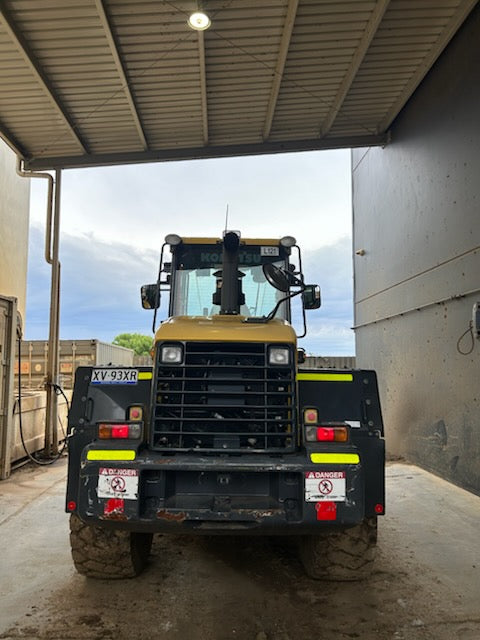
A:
x: 112, y: 43
x: 447, y: 34
x: 40, y: 75
x: 203, y: 85
x: 280, y: 66
x: 360, y: 53
x: 197, y: 153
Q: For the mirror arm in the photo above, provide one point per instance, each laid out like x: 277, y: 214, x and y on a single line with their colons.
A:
x: 304, y: 317
x: 273, y: 312
x: 158, y: 295
x: 271, y: 315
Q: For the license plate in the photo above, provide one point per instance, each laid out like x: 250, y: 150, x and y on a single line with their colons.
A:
x: 269, y: 251
x: 118, y: 483
x: 114, y: 376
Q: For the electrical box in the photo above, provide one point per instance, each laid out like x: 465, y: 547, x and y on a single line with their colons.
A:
x: 476, y: 320
x: 8, y: 334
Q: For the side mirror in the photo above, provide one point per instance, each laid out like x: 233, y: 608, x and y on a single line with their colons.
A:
x: 280, y: 278
x: 149, y: 296
x: 311, y: 297
x: 276, y: 277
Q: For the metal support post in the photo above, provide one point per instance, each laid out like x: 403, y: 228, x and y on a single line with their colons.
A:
x: 51, y: 418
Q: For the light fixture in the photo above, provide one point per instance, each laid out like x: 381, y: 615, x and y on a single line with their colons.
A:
x: 199, y: 21
x: 278, y: 355
x: 173, y: 240
x: 288, y: 241
x: 171, y: 354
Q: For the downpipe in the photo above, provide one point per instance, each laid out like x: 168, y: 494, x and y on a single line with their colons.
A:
x: 52, y: 235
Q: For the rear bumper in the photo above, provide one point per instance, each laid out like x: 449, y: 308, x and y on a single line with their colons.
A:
x: 229, y: 494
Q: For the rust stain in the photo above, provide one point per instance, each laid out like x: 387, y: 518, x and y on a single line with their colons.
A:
x: 171, y: 517
x: 114, y: 516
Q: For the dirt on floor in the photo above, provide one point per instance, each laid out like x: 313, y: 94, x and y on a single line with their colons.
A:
x: 224, y: 588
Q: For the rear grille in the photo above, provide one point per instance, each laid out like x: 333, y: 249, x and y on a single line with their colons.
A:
x: 224, y: 397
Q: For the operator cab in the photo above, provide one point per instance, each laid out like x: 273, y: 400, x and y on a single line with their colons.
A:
x: 255, y: 278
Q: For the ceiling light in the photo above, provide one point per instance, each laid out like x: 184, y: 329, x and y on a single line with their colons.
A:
x: 199, y: 21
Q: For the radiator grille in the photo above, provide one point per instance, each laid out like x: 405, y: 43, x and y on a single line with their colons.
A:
x: 224, y: 397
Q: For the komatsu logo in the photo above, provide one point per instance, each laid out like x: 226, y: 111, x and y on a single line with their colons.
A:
x: 244, y: 257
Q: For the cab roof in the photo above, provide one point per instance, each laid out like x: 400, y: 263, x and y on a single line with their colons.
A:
x: 243, y: 241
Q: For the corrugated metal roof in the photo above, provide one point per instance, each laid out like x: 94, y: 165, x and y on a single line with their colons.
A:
x: 89, y: 82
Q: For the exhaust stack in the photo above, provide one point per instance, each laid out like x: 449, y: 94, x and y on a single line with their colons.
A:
x: 231, y: 296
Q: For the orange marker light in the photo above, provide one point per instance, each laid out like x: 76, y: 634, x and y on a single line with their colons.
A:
x: 310, y: 416
x: 135, y: 413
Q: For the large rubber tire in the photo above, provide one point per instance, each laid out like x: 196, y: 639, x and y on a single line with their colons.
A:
x: 346, y: 555
x: 108, y: 553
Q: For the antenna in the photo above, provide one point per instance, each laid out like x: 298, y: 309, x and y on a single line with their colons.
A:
x: 226, y: 219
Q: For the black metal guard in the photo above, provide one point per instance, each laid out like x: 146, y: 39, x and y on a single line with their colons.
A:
x: 224, y: 397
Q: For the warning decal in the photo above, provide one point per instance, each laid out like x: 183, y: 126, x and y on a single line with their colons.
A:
x: 325, y: 485
x: 118, y: 483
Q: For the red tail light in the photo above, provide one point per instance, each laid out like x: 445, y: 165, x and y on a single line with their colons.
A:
x: 120, y: 431
x: 325, y: 434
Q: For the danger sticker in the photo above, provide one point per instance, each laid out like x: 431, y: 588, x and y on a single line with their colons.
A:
x: 118, y: 483
x: 325, y: 485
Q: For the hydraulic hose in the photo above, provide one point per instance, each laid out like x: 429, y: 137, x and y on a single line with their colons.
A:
x: 58, y: 391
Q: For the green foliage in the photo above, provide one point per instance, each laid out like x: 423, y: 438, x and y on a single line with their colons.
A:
x: 139, y: 343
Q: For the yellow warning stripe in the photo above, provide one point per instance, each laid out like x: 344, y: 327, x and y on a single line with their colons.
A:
x: 326, y: 377
x: 145, y: 375
x: 111, y: 454
x: 335, y: 458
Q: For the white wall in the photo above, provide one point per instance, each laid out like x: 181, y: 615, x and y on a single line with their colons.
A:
x: 14, y: 218
x: 417, y: 217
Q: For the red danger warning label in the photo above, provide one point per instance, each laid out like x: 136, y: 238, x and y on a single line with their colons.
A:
x: 325, y: 485
x: 117, y: 483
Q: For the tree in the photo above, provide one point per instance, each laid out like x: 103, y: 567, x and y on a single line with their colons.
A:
x: 139, y: 343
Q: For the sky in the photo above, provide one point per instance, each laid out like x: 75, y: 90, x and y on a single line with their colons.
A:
x: 114, y: 220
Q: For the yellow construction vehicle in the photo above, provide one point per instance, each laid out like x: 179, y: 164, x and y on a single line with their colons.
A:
x: 227, y: 433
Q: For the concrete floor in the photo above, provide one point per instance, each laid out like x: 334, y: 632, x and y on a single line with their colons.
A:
x: 426, y: 584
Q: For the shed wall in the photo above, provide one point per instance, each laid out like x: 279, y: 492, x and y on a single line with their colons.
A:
x: 14, y: 217
x: 416, y: 216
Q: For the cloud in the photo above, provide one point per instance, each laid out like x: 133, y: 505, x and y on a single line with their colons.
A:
x: 329, y: 328
x: 303, y: 194
x: 101, y: 282
x: 100, y: 288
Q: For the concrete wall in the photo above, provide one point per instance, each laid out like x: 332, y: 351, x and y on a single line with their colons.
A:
x: 416, y: 215
x: 33, y: 423
x: 14, y: 214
